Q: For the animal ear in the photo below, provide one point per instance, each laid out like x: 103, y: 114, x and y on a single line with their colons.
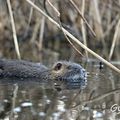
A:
x: 58, y: 66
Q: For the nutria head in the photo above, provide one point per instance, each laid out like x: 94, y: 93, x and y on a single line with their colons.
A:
x: 69, y: 75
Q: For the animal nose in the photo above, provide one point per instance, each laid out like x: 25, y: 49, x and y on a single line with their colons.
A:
x: 76, y: 83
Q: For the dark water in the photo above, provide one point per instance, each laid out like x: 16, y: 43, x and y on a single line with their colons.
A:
x: 100, y: 100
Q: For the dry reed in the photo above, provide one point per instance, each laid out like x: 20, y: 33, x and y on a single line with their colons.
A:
x: 13, y: 29
x: 75, y: 39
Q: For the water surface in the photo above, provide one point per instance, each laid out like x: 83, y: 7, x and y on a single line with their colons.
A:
x: 34, y: 101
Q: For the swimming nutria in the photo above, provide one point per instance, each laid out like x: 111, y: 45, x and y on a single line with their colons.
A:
x: 70, y: 74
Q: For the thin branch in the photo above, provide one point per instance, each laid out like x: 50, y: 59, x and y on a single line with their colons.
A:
x: 35, y: 30
x: 41, y: 33
x: 14, y: 101
x: 100, y: 97
x: 82, y: 17
x: 14, y: 30
x: 29, y: 20
x: 60, y: 23
x: 115, y: 38
x: 53, y: 7
x: 83, y: 26
x: 110, y: 26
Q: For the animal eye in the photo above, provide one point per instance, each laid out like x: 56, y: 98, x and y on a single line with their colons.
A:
x: 58, y: 66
